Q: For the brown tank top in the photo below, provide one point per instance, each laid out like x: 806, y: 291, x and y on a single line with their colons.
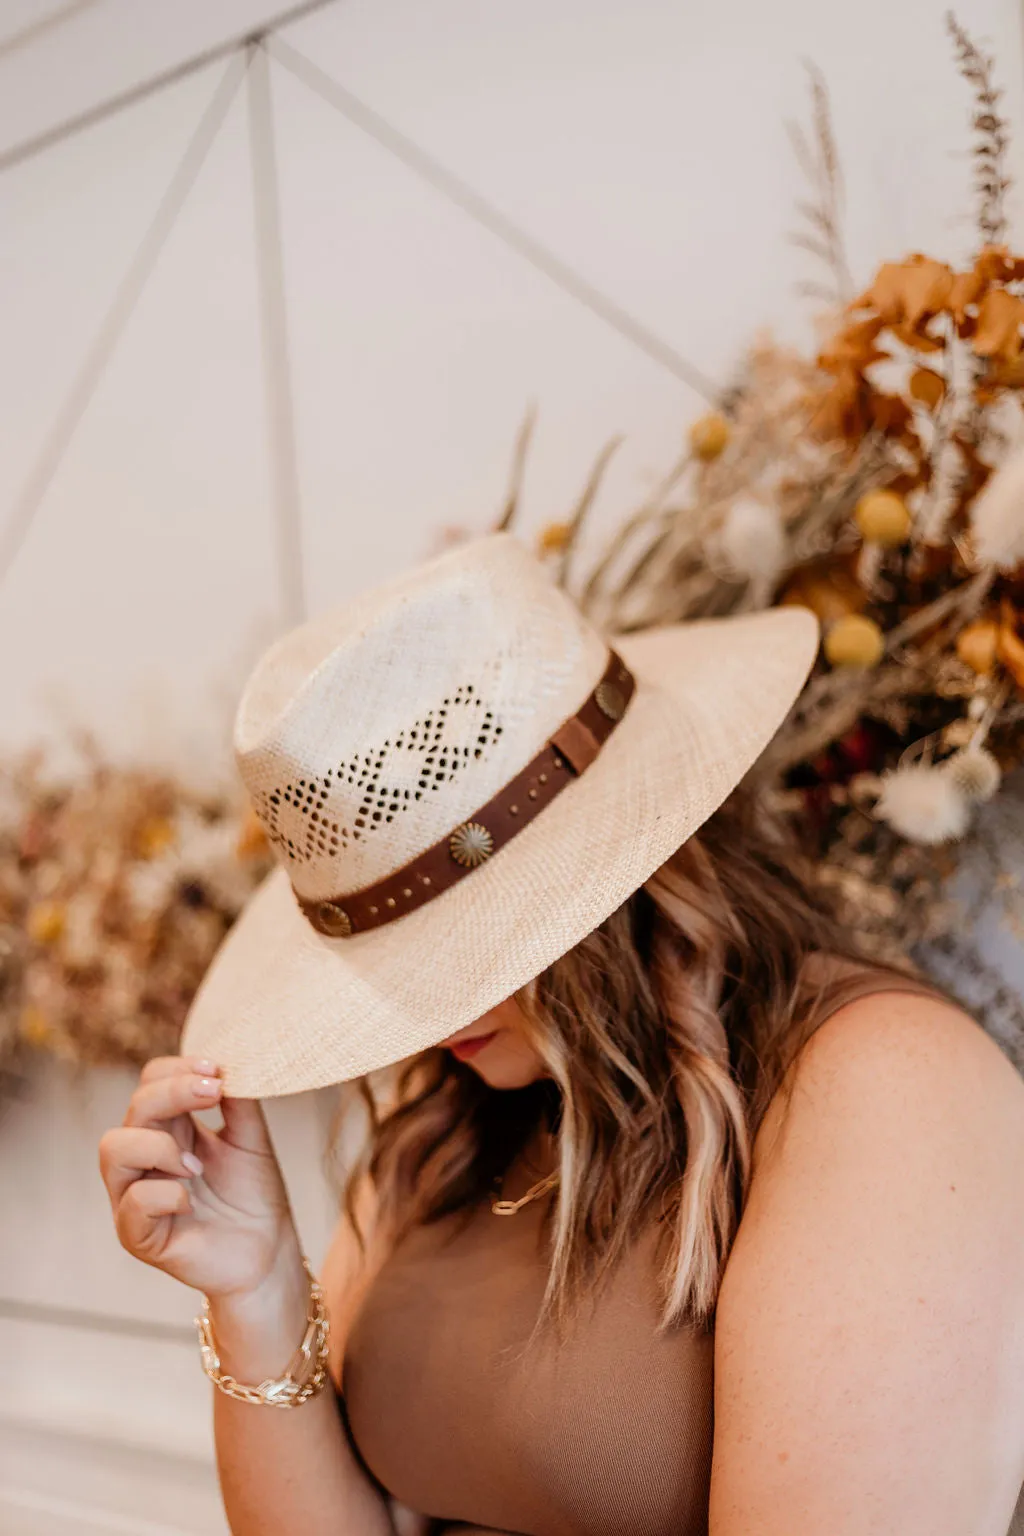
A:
x: 609, y: 1435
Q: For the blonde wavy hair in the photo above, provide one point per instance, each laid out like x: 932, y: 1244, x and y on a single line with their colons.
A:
x: 665, y: 1034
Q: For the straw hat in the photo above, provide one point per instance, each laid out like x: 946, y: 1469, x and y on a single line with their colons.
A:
x: 460, y: 780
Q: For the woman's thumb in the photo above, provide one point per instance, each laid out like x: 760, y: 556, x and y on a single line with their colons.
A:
x: 245, y: 1125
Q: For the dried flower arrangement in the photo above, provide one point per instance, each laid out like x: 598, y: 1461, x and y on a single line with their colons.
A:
x: 878, y: 484
x: 116, y: 886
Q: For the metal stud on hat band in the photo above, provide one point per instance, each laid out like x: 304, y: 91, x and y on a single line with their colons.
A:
x: 568, y: 753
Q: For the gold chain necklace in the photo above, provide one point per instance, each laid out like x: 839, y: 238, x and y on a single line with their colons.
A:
x: 510, y: 1207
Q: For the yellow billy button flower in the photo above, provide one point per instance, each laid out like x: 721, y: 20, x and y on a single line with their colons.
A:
x: 553, y: 538
x: 46, y: 922
x: 154, y: 837
x: 34, y: 1028
x: 854, y: 641
x: 710, y: 435
x: 883, y: 518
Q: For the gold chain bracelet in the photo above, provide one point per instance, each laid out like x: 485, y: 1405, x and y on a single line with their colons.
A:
x: 306, y: 1372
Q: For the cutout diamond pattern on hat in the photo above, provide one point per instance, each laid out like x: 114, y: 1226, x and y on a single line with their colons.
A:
x: 304, y: 818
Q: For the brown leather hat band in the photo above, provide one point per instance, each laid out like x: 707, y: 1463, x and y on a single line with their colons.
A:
x: 568, y: 753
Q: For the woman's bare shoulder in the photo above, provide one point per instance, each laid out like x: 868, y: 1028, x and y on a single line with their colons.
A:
x: 887, y: 1047
x: 872, y: 1301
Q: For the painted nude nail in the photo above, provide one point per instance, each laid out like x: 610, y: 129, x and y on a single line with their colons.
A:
x: 206, y: 1087
x: 192, y: 1163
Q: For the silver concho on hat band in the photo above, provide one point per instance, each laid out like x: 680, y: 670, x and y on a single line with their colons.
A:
x: 610, y: 700
x: 333, y: 920
x: 471, y: 844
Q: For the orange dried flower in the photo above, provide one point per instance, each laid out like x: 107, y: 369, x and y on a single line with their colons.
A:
x: 995, y: 264
x: 853, y: 347
x: 830, y: 594
x: 908, y: 291
x: 966, y: 290
x: 1003, y: 376
x: 976, y: 645
x: 998, y: 333
x: 840, y: 411
x: 920, y: 341
x: 927, y: 386
x: 1010, y: 647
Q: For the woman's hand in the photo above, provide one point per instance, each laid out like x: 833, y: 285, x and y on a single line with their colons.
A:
x: 208, y: 1207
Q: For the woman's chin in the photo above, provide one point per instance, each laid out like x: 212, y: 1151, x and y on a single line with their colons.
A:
x: 508, y: 1069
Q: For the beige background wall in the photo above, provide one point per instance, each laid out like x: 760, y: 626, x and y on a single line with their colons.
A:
x: 639, y: 152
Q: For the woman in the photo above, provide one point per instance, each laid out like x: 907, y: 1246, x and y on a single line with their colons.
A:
x: 674, y: 1216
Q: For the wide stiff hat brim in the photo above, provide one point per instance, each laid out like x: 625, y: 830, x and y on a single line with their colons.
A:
x: 282, y: 1008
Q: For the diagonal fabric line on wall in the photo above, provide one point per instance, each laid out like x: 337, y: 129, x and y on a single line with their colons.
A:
x: 284, y: 471
x: 27, y: 148
x: 465, y: 197
x: 76, y: 402
x: 36, y: 29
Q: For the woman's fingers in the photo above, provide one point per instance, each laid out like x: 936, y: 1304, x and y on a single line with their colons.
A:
x: 176, y: 1066
x: 143, y: 1214
x: 245, y: 1125
x: 164, y: 1098
x: 128, y: 1153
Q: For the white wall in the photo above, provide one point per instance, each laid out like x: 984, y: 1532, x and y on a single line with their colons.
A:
x: 641, y: 145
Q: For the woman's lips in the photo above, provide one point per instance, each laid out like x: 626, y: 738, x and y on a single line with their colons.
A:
x: 463, y: 1049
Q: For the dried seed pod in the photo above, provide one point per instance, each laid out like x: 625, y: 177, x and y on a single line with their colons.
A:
x: 883, y: 518
x: 710, y: 435
x: 854, y: 641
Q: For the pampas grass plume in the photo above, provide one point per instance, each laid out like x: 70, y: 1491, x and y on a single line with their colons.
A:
x: 753, y: 544
x: 924, y: 804
x: 997, y: 516
x: 975, y: 773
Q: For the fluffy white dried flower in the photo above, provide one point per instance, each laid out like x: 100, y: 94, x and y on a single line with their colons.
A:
x: 149, y: 885
x: 997, y: 516
x: 924, y: 804
x: 752, y: 544
x: 208, y: 853
x: 975, y: 773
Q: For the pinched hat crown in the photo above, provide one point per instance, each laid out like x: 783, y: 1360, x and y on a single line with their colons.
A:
x: 368, y: 734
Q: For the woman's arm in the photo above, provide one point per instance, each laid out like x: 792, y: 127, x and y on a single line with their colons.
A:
x: 284, y: 1470
x: 210, y: 1208
x: 869, y: 1347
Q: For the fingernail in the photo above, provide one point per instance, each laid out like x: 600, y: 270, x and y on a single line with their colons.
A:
x: 206, y: 1087
x: 192, y: 1163
x: 207, y: 1068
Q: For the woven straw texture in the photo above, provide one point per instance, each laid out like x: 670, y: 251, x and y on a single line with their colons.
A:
x: 471, y: 662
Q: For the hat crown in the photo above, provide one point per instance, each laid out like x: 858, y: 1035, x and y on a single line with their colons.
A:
x: 368, y: 734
